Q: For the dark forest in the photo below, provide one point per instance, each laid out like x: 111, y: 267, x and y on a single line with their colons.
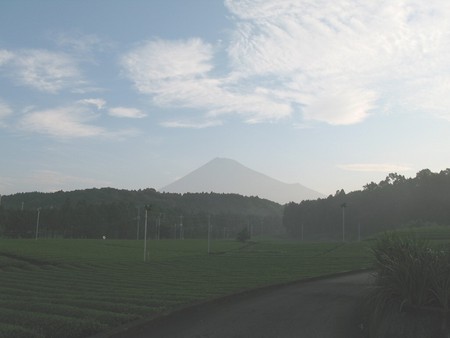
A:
x: 94, y: 213
x: 393, y: 203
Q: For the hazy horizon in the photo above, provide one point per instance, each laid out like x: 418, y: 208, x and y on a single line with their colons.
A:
x: 136, y: 95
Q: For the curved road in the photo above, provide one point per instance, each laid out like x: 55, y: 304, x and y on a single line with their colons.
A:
x: 316, y: 308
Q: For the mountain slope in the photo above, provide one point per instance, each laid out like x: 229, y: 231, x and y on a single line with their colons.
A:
x: 223, y: 175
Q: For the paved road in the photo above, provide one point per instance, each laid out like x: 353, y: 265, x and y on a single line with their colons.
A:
x: 322, y: 308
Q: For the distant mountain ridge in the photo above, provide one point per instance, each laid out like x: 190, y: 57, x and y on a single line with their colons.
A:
x: 222, y: 175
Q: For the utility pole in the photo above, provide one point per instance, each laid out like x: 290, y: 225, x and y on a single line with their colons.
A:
x: 138, y: 221
x: 343, y: 206
x: 147, y: 209
x: 37, y: 222
x: 158, y: 230
x: 181, y: 227
x: 209, y: 234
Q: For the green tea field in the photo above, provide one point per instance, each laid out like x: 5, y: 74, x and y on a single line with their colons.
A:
x: 76, y: 288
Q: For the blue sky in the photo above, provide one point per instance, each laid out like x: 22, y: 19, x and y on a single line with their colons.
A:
x: 135, y: 94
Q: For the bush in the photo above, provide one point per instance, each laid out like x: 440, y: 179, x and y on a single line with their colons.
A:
x: 410, y: 277
x: 243, y: 235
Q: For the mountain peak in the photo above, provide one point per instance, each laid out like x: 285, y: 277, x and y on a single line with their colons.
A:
x: 223, y: 161
x: 223, y: 175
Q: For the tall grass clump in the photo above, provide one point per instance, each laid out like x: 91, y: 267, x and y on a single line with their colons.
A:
x: 411, y: 293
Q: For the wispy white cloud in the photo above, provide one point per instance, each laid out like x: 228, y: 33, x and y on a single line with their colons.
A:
x: 132, y: 113
x: 431, y: 95
x: 5, y: 56
x: 76, y: 120
x: 65, y: 122
x: 361, y: 50
x: 5, y: 110
x: 164, y: 60
x: 191, y: 124
x: 178, y: 74
x: 41, y: 69
x: 81, y: 43
x: 341, y: 106
x: 336, y: 63
x: 374, y: 167
x: 98, y: 103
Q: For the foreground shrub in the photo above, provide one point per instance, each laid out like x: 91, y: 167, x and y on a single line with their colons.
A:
x: 412, y: 288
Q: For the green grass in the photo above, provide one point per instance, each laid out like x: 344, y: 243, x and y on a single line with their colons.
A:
x: 81, y: 287
x: 433, y: 233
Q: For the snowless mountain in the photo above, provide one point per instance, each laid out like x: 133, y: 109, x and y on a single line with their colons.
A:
x: 223, y: 175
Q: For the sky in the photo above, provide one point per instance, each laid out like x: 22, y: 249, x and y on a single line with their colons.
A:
x: 134, y: 94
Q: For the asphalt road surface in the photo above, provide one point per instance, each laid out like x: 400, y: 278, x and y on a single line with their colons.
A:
x: 312, y: 309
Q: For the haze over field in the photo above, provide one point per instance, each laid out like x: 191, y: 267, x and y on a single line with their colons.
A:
x: 135, y: 94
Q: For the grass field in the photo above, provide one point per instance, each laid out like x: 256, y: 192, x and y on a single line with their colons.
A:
x: 75, y: 288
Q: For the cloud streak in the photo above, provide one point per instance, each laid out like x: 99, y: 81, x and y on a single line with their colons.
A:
x: 191, y: 125
x: 65, y: 122
x: 126, y: 112
x: 98, y: 103
x: 81, y: 119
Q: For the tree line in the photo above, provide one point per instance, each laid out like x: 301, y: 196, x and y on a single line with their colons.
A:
x: 394, y: 202
x: 120, y: 214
